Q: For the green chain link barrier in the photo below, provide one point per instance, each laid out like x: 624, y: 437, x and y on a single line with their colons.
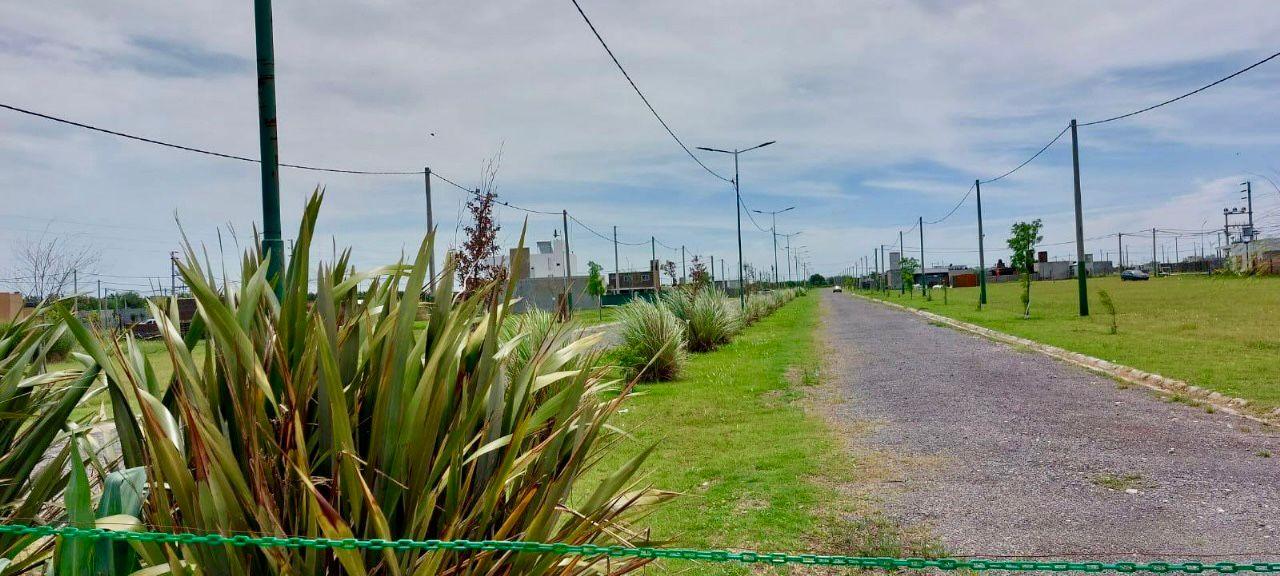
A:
x: 592, y: 550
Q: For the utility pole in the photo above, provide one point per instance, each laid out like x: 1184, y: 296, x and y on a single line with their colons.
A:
x: 875, y: 254
x: 924, y: 284
x: 653, y: 266
x: 100, y: 320
x: 684, y: 277
x: 173, y: 273
x: 431, y: 260
x: 884, y: 266
x: 737, y: 199
x: 1081, y: 272
x: 1120, y: 249
x: 902, y: 251
x: 982, y: 261
x: 617, y: 272
x: 1155, y: 266
x: 272, y: 245
x: 712, y: 271
x: 568, y: 295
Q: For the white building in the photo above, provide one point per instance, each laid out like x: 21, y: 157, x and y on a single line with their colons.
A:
x: 549, y: 260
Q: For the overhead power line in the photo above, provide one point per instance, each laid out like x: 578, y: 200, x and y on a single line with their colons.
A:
x: 602, y: 236
x: 1033, y: 156
x: 1193, y: 92
x: 206, y: 152
x: 665, y: 126
x: 956, y: 207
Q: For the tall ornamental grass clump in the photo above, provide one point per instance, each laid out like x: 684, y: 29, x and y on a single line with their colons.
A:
x: 712, y: 321
x: 336, y: 418
x: 653, y: 346
x: 40, y: 457
x: 530, y: 333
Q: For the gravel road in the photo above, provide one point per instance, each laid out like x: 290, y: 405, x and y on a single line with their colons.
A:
x: 1012, y: 453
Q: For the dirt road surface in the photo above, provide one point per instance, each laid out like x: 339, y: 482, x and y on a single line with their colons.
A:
x: 1009, y: 452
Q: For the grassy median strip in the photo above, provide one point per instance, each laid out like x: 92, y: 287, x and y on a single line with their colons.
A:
x: 1215, y: 332
x: 754, y: 470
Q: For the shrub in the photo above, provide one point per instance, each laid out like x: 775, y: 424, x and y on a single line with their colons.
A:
x: 59, y: 346
x: 37, y: 447
x: 652, y: 340
x: 679, y: 302
x: 1109, y: 305
x: 712, y: 321
x: 340, y: 419
x: 535, y: 330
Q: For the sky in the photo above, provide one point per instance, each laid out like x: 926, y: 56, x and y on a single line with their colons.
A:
x: 883, y: 112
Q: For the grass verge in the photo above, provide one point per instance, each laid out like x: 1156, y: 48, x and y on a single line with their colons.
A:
x: 754, y: 469
x: 1214, y: 332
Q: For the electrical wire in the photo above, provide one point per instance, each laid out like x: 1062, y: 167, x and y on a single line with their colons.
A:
x: 1191, y: 93
x: 743, y: 204
x: 956, y: 207
x: 602, y: 236
x: 529, y: 210
x: 1033, y: 157
x: 162, y: 143
x: 666, y: 126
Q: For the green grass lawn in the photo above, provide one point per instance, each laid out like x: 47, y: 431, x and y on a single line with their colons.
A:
x: 734, y: 440
x: 1215, y: 332
x: 590, y: 316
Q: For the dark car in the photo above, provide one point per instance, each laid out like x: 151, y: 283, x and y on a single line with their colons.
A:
x: 1134, y: 275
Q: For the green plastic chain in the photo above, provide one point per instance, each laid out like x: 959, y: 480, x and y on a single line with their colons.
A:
x: 592, y: 551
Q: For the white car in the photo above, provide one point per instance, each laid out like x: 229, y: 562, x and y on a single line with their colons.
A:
x: 837, y: 288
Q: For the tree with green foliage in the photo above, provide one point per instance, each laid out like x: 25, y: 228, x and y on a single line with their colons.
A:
x: 817, y: 280
x: 595, y: 285
x: 908, y: 267
x: 1023, y: 237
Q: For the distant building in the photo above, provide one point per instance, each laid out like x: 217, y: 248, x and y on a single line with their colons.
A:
x: 11, y: 307
x: 635, y: 281
x: 1261, y: 256
x: 548, y: 262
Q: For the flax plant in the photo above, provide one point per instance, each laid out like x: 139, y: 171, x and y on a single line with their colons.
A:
x: 337, y: 418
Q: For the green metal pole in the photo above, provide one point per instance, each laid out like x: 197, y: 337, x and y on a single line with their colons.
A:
x: 1081, y: 272
x: 924, y: 284
x: 737, y: 198
x: 982, y: 256
x: 272, y: 244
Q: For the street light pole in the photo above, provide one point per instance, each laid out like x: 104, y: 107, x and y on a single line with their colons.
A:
x: 737, y: 197
x: 773, y: 230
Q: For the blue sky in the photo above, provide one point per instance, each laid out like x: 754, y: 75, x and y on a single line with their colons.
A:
x: 883, y: 112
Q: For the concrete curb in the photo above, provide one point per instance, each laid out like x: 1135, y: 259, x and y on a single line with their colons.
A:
x: 1228, y: 404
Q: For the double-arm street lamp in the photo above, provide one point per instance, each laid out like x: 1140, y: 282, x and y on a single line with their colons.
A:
x: 773, y: 230
x: 737, y: 194
x: 788, y: 237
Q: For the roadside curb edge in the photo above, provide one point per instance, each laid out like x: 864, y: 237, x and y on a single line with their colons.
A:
x: 1228, y: 404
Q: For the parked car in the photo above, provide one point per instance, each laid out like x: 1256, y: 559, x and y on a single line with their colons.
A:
x: 1134, y: 275
x: 837, y: 288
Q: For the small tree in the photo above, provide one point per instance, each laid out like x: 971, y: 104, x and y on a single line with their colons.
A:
x: 476, y: 263
x: 595, y: 286
x: 817, y: 280
x: 1110, y: 306
x: 670, y: 268
x: 698, y: 275
x: 907, y: 267
x: 1023, y: 237
x: 45, y: 266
